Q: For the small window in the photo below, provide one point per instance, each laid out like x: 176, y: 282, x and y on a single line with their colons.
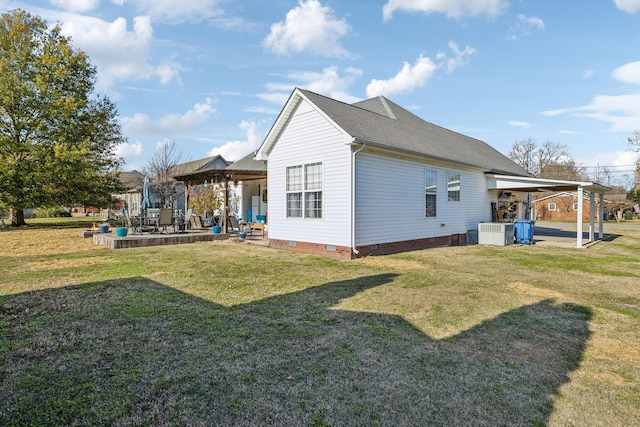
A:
x: 453, y: 187
x: 431, y: 190
x: 575, y: 206
x: 552, y: 206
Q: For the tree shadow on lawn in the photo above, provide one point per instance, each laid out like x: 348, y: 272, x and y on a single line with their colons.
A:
x: 134, y: 351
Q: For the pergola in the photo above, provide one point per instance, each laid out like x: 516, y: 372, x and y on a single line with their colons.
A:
x: 532, y: 185
x: 245, y: 169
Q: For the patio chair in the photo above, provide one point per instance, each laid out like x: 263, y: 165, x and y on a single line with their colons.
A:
x: 195, y: 222
x: 234, y: 226
x: 165, y: 219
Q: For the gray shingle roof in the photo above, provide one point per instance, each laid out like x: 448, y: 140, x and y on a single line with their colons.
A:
x: 382, y: 123
x: 248, y: 163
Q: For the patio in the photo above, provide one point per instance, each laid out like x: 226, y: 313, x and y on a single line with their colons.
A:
x: 563, y: 234
x: 111, y: 241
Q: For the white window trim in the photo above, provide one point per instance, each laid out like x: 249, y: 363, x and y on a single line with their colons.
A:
x: 303, y: 192
x: 451, y: 174
x: 435, y: 215
x: 552, y: 209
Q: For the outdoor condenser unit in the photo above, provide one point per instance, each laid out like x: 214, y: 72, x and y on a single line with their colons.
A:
x: 495, y: 233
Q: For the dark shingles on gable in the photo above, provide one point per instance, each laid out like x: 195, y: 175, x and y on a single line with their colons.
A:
x: 381, y: 122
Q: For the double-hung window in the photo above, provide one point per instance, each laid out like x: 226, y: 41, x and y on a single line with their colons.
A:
x: 304, y: 191
x: 431, y: 190
x: 453, y: 186
x: 294, y: 192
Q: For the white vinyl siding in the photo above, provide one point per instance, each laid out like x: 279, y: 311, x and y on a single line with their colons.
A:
x: 390, y: 201
x: 309, y: 138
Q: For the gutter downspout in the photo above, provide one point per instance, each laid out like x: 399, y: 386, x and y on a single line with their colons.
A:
x: 353, y: 198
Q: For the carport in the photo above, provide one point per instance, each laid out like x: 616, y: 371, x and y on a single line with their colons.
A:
x: 532, y: 185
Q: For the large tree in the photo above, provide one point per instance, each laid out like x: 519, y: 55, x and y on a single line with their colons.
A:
x: 548, y: 160
x: 57, y: 138
x: 162, y: 166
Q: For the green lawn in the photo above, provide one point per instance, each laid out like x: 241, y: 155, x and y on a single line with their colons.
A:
x: 238, y: 334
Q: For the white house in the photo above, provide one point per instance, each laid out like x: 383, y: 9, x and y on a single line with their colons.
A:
x: 372, y: 178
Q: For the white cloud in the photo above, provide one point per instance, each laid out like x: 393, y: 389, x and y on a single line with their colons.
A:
x: 525, y: 26
x: 77, y: 5
x: 169, y: 12
x: 310, y: 27
x: 628, y: 73
x: 331, y: 82
x: 517, y: 124
x: 621, y: 111
x: 451, y: 8
x: 587, y: 74
x: 132, y: 154
x: 629, y: 6
x: 235, y: 150
x: 170, y: 124
x: 407, y: 79
x: 461, y: 57
x: 567, y: 132
x: 118, y: 54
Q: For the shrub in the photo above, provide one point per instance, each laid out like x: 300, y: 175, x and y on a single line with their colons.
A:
x: 56, y: 212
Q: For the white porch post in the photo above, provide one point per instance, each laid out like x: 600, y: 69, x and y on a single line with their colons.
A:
x: 579, y: 219
x: 601, y: 216
x: 592, y: 206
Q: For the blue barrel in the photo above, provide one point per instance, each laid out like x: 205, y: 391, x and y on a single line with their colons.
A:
x: 524, y: 231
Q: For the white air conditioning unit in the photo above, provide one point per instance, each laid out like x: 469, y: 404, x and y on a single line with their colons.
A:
x: 495, y: 233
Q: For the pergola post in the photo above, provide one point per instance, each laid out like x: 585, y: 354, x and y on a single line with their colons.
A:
x: 225, y: 226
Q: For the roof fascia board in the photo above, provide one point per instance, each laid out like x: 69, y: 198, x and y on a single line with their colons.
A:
x: 283, y: 119
x: 542, y: 183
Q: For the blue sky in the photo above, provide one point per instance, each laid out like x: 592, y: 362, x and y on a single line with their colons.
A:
x: 212, y: 75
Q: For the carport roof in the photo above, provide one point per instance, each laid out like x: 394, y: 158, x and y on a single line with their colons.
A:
x: 532, y: 184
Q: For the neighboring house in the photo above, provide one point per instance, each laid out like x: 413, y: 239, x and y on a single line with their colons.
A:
x: 372, y: 178
x: 131, y: 199
x: 561, y: 206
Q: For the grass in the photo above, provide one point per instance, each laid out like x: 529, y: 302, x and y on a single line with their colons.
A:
x: 235, y: 334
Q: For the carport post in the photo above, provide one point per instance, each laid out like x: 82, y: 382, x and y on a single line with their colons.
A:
x: 601, y: 215
x: 592, y: 205
x: 579, y: 222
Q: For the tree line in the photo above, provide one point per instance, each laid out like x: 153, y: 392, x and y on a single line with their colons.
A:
x: 552, y: 160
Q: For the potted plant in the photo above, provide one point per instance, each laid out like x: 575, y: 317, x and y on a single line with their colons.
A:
x: 123, y: 230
